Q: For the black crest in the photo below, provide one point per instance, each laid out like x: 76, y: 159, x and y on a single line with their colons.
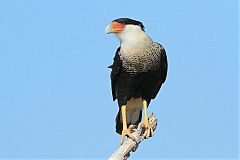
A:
x: 129, y: 21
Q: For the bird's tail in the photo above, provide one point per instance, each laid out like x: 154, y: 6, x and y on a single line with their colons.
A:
x: 119, y: 124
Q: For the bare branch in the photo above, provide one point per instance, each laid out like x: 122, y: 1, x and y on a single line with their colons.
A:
x: 123, y: 152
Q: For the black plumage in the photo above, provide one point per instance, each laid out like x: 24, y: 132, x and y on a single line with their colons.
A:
x: 137, y: 82
x: 138, y: 72
x: 127, y: 21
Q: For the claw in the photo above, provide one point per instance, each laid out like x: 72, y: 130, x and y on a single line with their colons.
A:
x: 149, y: 129
x: 128, y: 133
x: 132, y: 128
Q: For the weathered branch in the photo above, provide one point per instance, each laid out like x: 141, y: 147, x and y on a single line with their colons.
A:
x: 123, y: 152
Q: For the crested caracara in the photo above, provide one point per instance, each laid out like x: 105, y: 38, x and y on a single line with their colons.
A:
x: 138, y: 72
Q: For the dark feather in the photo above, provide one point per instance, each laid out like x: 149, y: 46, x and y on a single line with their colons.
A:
x: 127, y: 84
x: 116, y: 67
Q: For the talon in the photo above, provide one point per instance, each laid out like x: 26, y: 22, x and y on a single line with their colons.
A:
x: 146, y: 125
x: 132, y: 128
x: 149, y: 129
x: 127, y: 132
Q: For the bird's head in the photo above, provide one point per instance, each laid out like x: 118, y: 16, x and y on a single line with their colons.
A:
x: 126, y: 29
x: 124, y: 25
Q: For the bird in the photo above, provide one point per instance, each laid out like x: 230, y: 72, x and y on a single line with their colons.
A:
x: 138, y: 71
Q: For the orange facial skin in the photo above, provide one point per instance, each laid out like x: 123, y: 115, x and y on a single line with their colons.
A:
x: 117, y: 27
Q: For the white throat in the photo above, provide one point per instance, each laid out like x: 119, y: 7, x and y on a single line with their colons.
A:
x: 132, y: 37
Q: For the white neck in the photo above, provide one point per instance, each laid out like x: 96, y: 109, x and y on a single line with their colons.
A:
x: 132, y: 36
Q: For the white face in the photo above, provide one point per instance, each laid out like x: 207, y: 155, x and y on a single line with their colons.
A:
x: 130, y: 28
x: 131, y: 34
x: 129, y: 31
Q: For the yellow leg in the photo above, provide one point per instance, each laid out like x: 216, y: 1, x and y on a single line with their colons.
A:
x: 125, y: 131
x: 146, y: 121
x: 124, y: 118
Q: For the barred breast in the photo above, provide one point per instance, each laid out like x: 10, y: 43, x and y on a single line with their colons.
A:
x: 145, y: 59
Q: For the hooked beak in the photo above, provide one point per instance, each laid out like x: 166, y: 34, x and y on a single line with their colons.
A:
x: 114, y: 27
x: 108, y: 29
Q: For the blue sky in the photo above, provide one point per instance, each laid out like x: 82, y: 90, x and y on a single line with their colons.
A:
x: 55, y: 95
